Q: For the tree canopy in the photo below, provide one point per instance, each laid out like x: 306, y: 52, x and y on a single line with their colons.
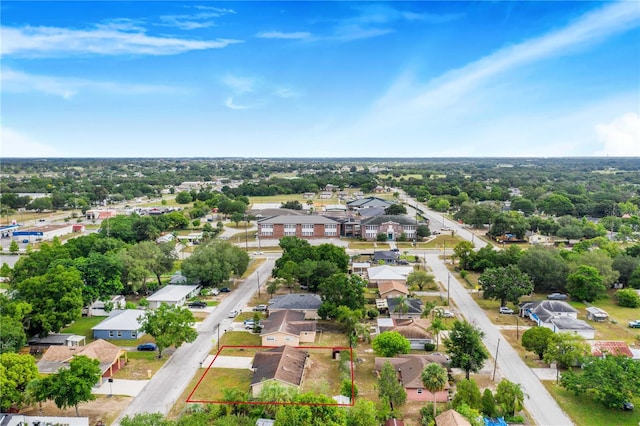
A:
x: 169, y: 325
x: 390, y: 343
x: 69, y: 387
x: 505, y: 284
x: 465, y: 347
x: 536, y: 340
x: 389, y: 387
x: 212, y: 264
x: 16, y: 371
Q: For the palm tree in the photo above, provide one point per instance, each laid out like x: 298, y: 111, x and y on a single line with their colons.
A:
x: 434, y: 379
x: 437, y: 325
x: 362, y: 330
x: 403, y: 306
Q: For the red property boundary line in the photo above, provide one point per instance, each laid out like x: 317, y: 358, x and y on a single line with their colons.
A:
x: 332, y: 348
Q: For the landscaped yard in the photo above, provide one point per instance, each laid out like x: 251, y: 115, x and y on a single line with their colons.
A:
x: 82, y: 327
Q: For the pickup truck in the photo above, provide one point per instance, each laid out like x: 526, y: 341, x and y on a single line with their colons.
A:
x: 634, y: 324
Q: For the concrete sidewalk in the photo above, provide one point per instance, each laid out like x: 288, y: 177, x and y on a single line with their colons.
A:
x: 121, y: 387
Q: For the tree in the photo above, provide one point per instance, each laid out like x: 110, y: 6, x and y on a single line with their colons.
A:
x: 183, y: 197
x: 341, y: 290
x: 488, y: 404
x: 420, y: 279
x: 628, y: 298
x: 13, y: 247
x: 585, y: 283
x: 349, y: 319
x: 505, y: 284
x: 169, y: 325
x: 56, y: 299
x: 71, y: 386
x: 275, y: 394
x: 312, y: 410
x: 101, y: 274
x: 625, y: 265
x: 146, y: 419
x: 292, y: 205
x: 363, y: 413
x: 510, y: 397
x: 437, y: 326
x: 611, y: 381
x: 12, y: 335
x: 390, y: 344
x: 213, y: 263
x: 536, y: 340
x: 390, y: 388
x: 566, y: 349
x: 434, y: 378
x: 603, y: 262
x: 395, y: 209
x: 463, y: 252
x: 16, y: 371
x: 422, y: 231
x: 465, y: 347
x: 467, y: 392
x: 546, y: 268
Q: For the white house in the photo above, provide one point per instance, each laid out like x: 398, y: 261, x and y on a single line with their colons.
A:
x: 173, y: 295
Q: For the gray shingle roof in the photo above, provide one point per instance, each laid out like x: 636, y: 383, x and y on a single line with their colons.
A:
x: 126, y: 319
x: 296, y: 301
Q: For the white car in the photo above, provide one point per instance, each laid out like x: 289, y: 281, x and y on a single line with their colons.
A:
x: 444, y: 313
x: 506, y: 310
x: 233, y: 314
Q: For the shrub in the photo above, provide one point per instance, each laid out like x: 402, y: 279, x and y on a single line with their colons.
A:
x: 628, y: 298
x: 463, y: 274
x: 373, y: 313
x: 429, y: 347
x: 144, y: 303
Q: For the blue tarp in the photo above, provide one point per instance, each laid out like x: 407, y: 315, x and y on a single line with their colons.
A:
x: 495, y: 422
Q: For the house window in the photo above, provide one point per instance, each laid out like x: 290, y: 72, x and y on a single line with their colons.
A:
x: 266, y: 230
x: 288, y: 339
x: 134, y: 334
x: 331, y: 230
x: 271, y: 338
x: 290, y: 229
x: 119, y: 333
x: 307, y: 230
x: 110, y: 333
x: 419, y: 391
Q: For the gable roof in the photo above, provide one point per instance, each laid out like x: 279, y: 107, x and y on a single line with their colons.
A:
x: 385, y: 255
x: 60, y: 356
x: 284, y: 363
x: 388, y: 286
x: 410, y: 368
x: 451, y: 418
x: 412, y: 332
x: 300, y: 301
x: 171, y: 293
x: 287, y: 321
x: 604, y: 347
x: 388, y: 218
x: 546, y: 309
x: 414, y: 306
x: 121, y: 319
x: 386, y: 272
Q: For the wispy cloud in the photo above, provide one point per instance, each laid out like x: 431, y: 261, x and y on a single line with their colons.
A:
x: 254, y: 92
x: 239, y: 84
x: 67, y: 88
x: 409, y: 102
x: 202, y: 19
x: 300, y: 35
x: 104, y: 39
x: 231, y: 104
x: 18, y: 144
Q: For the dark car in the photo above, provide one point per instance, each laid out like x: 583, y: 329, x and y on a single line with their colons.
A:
x: 225, y: 289
x: 557, y: 296
x: 147, y: 347
x: 198, y: 304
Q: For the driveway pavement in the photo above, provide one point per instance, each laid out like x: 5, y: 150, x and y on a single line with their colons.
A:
x: 239, y: 362
x: 121, y: 387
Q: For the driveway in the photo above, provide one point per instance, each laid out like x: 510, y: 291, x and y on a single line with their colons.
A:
x: 239, y: 362
x: 121, y: 387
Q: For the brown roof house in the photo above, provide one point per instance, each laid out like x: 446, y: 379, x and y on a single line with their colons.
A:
x: 414, y: 330
x: 284, y: 364
x: 452, y: 418
x: 392, y: 289
x: 110, y: 356
x: 409, y: 368
x: 287, y: 327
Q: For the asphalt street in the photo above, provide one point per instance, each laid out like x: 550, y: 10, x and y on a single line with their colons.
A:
x: 544, y: 410
x: 166, y: 386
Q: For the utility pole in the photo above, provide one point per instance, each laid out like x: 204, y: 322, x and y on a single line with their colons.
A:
x: 495, y: 364
x: 258, y: 275
x: 448, y: 287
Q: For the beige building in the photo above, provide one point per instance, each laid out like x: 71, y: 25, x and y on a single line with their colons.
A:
x: 287, y: 328
x: 283, y: 364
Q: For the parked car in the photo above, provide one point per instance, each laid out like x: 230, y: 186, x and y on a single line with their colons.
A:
x: 444, y: 313
x: 215, y: 291
x: 258, y: 253
x: 198, y: 304
x: 250, y: 325
x: 261, y: 308
x: 25, y: 241
x: 225, y: 289
x: 634, y: 324
x: 233, y: 314
x: 557, y: 296
x: 147, y: 347
x: 627, y: 406
x: 506, y: 310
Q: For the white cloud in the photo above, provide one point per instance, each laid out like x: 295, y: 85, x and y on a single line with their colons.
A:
x: 620, y: 137
x: 102, y: 40
x: 287, y: 92
x: 231, y: 104
x: 282, y: 35
x: 238, y: 84
x: 20, y: 82
x: 17, y: 144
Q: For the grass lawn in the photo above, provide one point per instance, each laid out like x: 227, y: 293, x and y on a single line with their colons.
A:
x: 616, y: 327
x: 138, y: 365
x: 82, y: 327
x: 237, y: 338
x: 585, y: 412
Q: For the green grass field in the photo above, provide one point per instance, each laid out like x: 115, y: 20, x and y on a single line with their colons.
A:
x: 82, y: 327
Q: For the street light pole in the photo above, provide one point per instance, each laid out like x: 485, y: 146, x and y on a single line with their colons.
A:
x: 495, y: 364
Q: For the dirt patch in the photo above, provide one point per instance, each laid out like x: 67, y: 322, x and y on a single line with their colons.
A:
x: 102, y: 408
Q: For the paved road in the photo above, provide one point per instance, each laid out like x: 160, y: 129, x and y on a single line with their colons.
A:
x: 166, y: 386
x: 539, y: 403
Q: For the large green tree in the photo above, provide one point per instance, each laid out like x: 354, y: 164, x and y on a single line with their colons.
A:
x: 536, y: 340
x: 16, y: 371
x: 310, y: 409
x: 510, y: 397
x: 434, y: 378
x: 212, y: 264
x: 71, y: 386
x: 55, y: 297
x: 465, y: 347
x: 467, y: 392
x: 390, y: 344
x: 566, y: 350
x: 505, y: 284
x: 586, y: 283
x: 611, y: 381
x: 341, y: 290
x: 389, y: 387
x: 363, y: 413
x: 169, y: 325
x: 547, y: 269
x: 420, y: 279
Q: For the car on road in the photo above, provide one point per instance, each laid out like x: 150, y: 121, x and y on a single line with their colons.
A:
x: 233, y: 314
x: 557, y: 296
x: 258, y: 253
x: 147, y: 347
x: 506, y: 310
x: 197, y: 304
x: 261, y: 308
x: 225, y: 289
x: 25, y: 241
x: 444, y: 313
x: 634, y: 324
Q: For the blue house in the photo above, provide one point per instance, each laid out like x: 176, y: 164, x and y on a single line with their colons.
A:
x: 120, y: 325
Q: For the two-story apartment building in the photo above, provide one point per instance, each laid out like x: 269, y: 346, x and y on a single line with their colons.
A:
x: 308, y: 226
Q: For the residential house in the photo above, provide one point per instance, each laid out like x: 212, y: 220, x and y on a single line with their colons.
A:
x: 388, y: 257
x: 120, y: 325
x: 558, y: 316
x: 307, y: 303
x: 414, y: 330
x: 602, y: 348
x: 99, y: 307
x: 110, y: 356
x: 409, y: 368
x: 360, y: 268
x: 287, y: 327
x: 381, y: 273
x: 393, y: 289
x: 284, y: 364
x: 451, y: 418
x: 596, y: 314
x: 409, y: 308
x: 392, y: 226
x: 173, y: 295
x: 307, y: 226
x: 11, y: 419
x: 38, y: 345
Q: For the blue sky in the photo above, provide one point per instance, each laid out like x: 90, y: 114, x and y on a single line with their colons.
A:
x: 320, y: 79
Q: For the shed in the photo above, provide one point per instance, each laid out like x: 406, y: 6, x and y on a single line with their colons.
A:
x: 596, y: 314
